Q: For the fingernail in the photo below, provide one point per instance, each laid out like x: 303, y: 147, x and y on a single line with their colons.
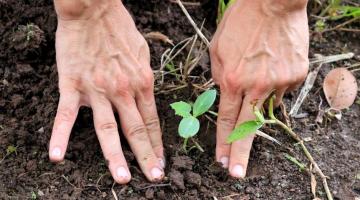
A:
x: 56, y: 152
x: 156, y: 173
x: 238, y: 171
x: 224, y: 161
x: 121, y: 172
x: 162, y: 162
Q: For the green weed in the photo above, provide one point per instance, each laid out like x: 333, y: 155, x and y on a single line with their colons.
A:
x: 189, y: 125
x: 222, y: 7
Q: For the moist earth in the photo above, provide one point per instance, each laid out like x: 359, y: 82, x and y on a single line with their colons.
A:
x: 29, y: 96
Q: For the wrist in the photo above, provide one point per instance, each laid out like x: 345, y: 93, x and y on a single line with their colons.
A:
x: 273, y: 7
x: 82, y: 9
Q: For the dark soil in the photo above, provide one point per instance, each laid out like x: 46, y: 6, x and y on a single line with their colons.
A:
x: 29, y: 96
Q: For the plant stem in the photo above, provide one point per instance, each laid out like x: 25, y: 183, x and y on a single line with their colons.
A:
x: 290, y: 132
x: 308, y: 155
x: 213, y: 113
x: 271, y: 107
x: 185, y: 144
x: 197, y: 145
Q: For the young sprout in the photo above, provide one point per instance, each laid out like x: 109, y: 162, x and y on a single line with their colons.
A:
x: 250, y: 127
x: 222, y: 6
x: 189, y: 125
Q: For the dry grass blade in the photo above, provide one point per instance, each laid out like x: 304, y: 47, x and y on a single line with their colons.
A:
x: 266, y: 136
x: 313, y: 184
x: 113, y: 192
x: 201, y: 35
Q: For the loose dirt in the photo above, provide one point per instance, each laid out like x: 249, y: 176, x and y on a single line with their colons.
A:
x: 29, y: 96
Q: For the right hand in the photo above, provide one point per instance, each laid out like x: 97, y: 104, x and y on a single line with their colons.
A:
x: 104, y: 62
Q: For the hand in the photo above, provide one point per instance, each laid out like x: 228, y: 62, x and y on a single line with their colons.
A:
x: 260, y: 46
x: 104, y: 62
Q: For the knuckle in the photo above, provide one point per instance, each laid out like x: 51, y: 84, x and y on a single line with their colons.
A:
x: 147, y: 156
x: 153, y: 124
x: 108, y: 127
x: 226, y: 121
x: 99, y: 80
x: 137, y: 131
x: 69, y: 82
x: 282, y: 82
x: 231, y: 81
x: 65, y: 114
x: 122, y: 86
x: 263, y: 86
x: 147, y: 81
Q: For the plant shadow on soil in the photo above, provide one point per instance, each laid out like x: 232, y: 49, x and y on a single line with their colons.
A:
x: 29, y: 100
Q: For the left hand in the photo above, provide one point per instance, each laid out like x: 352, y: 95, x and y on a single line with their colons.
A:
x: 260, y: 46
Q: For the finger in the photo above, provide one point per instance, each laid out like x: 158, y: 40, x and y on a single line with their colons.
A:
x: 136, y: 133
x: 240, y: 150
x: 279, y: 94
x: 65, y: 117
x: 229, y: 108
x: 107, y: 133
x: 147, y: 108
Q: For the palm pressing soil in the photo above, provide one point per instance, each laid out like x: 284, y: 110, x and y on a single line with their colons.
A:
x: 29, y: 96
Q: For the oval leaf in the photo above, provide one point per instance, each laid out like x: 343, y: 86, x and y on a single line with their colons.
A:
x: 243, y: 130
x: 204, y: 102
x: 181, y: 108
x: 188, y: 127
x: 340, y: 88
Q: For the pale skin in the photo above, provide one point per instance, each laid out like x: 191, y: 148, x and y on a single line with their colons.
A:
x: 104, y: 63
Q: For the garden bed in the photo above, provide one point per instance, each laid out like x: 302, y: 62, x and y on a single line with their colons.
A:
x: 29, y: 96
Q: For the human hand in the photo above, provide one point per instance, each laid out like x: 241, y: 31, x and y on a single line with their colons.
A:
x: 103, y: 62
x: 260, y: 46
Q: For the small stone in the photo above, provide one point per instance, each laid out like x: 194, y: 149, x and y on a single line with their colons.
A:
x: 40, y: 193
x: 41, y: 130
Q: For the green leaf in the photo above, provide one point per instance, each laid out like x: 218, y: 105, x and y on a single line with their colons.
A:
x: 243, y: 130
x: 188, y: 127
x: 10, y: 149
x: 181, y: 108
x: 204, y: 102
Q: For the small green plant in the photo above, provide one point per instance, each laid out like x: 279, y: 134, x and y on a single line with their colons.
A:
x: 250, y: 127
x: 335, y: 11
x: 222, y: 7
x: 33, y: 195
x: 9, y: 150
x: 189, y: 125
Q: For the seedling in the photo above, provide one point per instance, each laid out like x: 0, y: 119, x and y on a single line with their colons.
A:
x: 222, y: 7
x: 9, y: 150
x: 189, y: 125
x: 33, y: 195
x: 336, y: 11
x: 250, y: 127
